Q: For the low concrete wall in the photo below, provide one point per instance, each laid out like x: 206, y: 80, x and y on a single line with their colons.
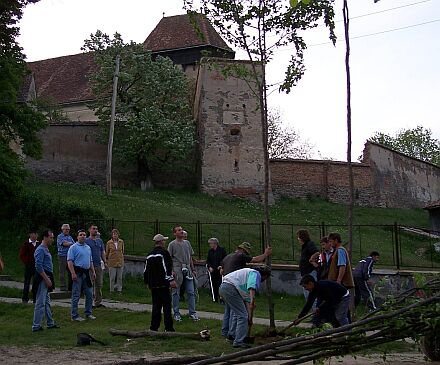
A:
x: 286, y: 278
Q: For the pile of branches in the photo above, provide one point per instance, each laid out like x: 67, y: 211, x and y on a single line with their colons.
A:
x: 413, y: 313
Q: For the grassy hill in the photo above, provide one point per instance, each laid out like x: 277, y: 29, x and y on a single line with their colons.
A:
x: 138, y: 215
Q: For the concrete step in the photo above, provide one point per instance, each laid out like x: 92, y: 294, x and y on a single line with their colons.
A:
x: 5, y: 278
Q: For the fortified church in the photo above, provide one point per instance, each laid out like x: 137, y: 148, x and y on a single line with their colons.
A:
x: 230, y: 151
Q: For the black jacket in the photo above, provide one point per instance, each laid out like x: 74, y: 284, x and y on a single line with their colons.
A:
x: 307, y: 250
x: 364, y: 268
x: 215, y: 257
x: 158, y: 268
x: 326, y: 291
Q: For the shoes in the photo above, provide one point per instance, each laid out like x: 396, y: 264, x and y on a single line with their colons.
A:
x: 91, y: 317
x: 171, y: 330
x: 194, y: 317
x: 241, y: 345
x: 53, y: 327
x: 100, y: 305
x: 177, y: 318
x: 78, y: 319
x: 230, y: 338
x: 38, y: 330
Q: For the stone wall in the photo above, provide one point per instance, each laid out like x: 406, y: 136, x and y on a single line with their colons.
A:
x: 326, y: 179
x: 229, y: 134
x: 401, y: 181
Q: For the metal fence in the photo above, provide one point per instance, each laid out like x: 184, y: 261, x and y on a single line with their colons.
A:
x: 399, y: 248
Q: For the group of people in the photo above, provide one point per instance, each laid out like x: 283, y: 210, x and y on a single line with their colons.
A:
x: 170, y: 272
x: 327, y: 277
x: 81, y: 266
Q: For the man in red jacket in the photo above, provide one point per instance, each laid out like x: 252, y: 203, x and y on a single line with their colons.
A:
x: 27, y: 251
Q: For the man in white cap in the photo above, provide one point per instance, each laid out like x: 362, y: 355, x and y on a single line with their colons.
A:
x: 158, y: 275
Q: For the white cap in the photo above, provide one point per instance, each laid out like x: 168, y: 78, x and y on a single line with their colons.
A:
x: 159, y: 237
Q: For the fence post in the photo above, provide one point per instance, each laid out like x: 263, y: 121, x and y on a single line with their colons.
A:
x: 199, y: 239
x: 323, y: 229
x: 156, y: 226
x: 396, y: 244
x: 263, y: 236
x: 113, y: 223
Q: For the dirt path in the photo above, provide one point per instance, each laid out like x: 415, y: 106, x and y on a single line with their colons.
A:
x: 81, y: 356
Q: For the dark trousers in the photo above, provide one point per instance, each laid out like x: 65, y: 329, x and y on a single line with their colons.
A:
x: 216, y: 281
x: 161, y: 299
x: 29, y: 272
x: 363, y: 292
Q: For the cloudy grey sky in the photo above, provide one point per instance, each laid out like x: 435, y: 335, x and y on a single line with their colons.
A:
x: 395, y: 62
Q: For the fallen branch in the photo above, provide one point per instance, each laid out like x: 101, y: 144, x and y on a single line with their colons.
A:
x: 203, y: 335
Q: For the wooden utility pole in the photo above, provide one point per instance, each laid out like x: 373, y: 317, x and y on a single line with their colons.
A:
x: 112, y: 129
x: 350, y: 166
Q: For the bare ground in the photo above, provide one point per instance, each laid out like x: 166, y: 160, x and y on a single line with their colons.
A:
x: 81, y: 356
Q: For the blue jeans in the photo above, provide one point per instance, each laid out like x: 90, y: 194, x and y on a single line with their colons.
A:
x: 77, y: 287
x: 233, y: 299
x: 341, y: 310
x: 190, y: 292
x: 42, y: 307
x: 227, y: 321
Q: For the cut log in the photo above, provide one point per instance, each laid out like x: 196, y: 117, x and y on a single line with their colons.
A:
x: 203, y: 335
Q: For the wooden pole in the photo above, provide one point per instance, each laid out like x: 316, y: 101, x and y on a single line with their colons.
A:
x: 108, y: 174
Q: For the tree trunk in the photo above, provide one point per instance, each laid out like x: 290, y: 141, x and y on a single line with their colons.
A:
x: 204, y: 335
x: 144, y: 175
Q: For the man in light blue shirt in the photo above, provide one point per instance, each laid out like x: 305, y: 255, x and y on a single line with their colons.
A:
x: 64, y: 241
x: 98, y: 253
x: 43, y: 282
x: 79, y: 261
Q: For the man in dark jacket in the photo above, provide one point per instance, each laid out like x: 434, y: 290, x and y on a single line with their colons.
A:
x: 158, y: 275
x: 361, y: 276
x: 27, y: 251
x: 216, y: 254
x: 334, y: 299
x: 309, y: 255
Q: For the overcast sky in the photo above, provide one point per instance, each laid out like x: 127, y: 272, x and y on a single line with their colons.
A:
x: 395, y: 71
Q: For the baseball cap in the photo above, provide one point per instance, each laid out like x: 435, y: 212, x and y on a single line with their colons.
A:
x: 245, y: 246
x: 159, y: 237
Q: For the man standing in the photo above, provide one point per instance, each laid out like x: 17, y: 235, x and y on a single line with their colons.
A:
x: 238, y: 290
x: 158, y: 275
x: 308, y: 253
x: 216, y: 254
x: 362, y: 275
x: 340, y: 266
x: 181, y: 253
x: 98, y: 254
x: 79, y: 261
x: 325, y: 259
x: 334, y: 299
x: 27, y: 252
x: 43, y: 283
x: 64, y: 241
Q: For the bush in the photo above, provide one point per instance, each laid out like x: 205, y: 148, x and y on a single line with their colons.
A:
x: 39, y: 210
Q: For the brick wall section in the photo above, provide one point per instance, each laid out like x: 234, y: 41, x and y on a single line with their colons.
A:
x: 401, y: 181
x: 327, y: 179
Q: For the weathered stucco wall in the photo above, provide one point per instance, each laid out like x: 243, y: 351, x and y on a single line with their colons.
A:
x: 229, y: 132
x: 401, y: 181
x: 327, y: 179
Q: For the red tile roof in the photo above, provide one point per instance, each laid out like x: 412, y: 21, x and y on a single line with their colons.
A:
x: 176, y: 32
x: 64, y: 79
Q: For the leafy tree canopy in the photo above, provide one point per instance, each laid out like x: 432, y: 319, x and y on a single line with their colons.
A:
x: 284, y: 141
x: 417, y: 142
x: 19, y: 122
x: 153, y: 125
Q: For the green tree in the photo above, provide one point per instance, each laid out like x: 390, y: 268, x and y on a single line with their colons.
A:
x: 417, y: 142
x: 284, y: 141
x: 259, y: 27
x: 153, y: 124
x: 19, y: 122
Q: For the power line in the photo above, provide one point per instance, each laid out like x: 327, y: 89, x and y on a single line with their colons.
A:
x: 367, y: 35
